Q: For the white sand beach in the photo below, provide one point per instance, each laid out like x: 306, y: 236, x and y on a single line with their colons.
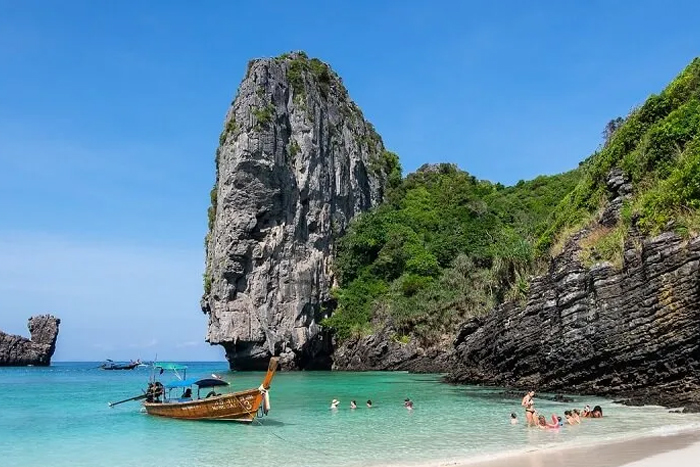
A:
x: 680, y: 450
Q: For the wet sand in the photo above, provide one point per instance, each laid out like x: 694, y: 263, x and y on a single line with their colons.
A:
x: 680, y: 450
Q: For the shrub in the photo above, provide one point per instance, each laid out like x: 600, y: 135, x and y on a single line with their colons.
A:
x: 230, y: 128
x: 263, y: 116
x: 211, y: 212
x: 603, y: 244
x: 294, y: 148
x: 207, y: 283
x: 300, y: 66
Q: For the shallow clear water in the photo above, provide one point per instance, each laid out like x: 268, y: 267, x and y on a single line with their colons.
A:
x: 59, y: 417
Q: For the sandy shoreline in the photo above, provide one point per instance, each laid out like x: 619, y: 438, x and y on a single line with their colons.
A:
x: 677, y: 450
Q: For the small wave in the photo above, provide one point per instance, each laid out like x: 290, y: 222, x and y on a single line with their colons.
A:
x: 671, y: 430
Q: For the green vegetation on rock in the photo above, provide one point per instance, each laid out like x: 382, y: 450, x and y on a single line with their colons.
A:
x: 603, y: 244
x: 445, y: 246
x: 263, y: 116
x: 300, y: 65
x: 211, y: 212
x: 293, y: 149
x: 658, y: 148
x: 207, y: 283
x: 229, y: 129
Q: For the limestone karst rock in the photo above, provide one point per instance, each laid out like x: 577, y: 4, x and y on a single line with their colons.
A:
x: 38, y: 350
x: 296, y: 162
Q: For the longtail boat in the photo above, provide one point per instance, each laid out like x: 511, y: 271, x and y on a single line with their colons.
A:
x: 241, y: 406
x: 111, y: 365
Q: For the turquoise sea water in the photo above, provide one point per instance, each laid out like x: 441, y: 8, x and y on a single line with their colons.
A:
x: 58, y: 417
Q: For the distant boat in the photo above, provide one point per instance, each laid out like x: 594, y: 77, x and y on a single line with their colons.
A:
x: 111, y: 365
x: 241, y: 406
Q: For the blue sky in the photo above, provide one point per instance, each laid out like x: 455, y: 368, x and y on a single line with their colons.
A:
x: 110, y: 114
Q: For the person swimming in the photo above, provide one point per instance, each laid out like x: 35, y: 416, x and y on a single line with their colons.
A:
x: 570, y: 418
x: 513, y: 419
x: 586, y: 412
x: 353, y: 405
x: 597, y: 412
x: 543, y: 425
x: 576, y: 413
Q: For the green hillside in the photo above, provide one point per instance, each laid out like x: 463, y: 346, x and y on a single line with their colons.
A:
x: 446, y: 245
x: 658, y: 148
x: 443, y: 245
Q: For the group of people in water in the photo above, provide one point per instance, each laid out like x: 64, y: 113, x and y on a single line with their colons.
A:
x: 571, y: 417
x: 407, y: 403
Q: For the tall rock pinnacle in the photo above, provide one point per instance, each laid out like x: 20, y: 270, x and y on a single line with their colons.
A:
x: 296, y: 162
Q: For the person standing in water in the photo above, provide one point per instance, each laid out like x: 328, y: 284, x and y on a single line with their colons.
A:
x: 353, y: 404
x: 369, y: 404
x: 529, y: 403
x: 334, y: 404
x: 408, y: 403
x: 513, y: 419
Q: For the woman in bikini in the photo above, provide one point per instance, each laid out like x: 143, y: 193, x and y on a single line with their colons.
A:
x: 529, y: 404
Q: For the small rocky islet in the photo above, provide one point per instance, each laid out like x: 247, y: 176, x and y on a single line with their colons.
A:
x: 321, y: 253
x: 37, y: 350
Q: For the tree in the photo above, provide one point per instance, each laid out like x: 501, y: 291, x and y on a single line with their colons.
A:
x: 610, y: 129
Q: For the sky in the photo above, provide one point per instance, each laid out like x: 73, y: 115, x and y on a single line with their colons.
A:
x: 110, y: 114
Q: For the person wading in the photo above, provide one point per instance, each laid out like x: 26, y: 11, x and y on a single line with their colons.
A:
x: 529, y: 404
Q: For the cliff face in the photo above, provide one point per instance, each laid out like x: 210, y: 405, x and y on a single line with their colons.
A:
x: 38, y: 350
x: 296, y: 162
x: 632, y: 332
x: 629, y: 326
x: 381, y: 351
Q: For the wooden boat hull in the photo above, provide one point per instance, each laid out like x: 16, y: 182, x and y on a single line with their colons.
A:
x: 120, y: 367
x: 238, y: 406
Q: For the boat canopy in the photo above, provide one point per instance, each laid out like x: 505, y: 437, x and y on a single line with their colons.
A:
x: 202, y: 383
x: 170, y: 366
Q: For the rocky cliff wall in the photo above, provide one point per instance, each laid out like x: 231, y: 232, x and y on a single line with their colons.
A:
x: 632, y: 332
x: 381, y: 351
x: 296, y: 162
x: 37, y: 351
